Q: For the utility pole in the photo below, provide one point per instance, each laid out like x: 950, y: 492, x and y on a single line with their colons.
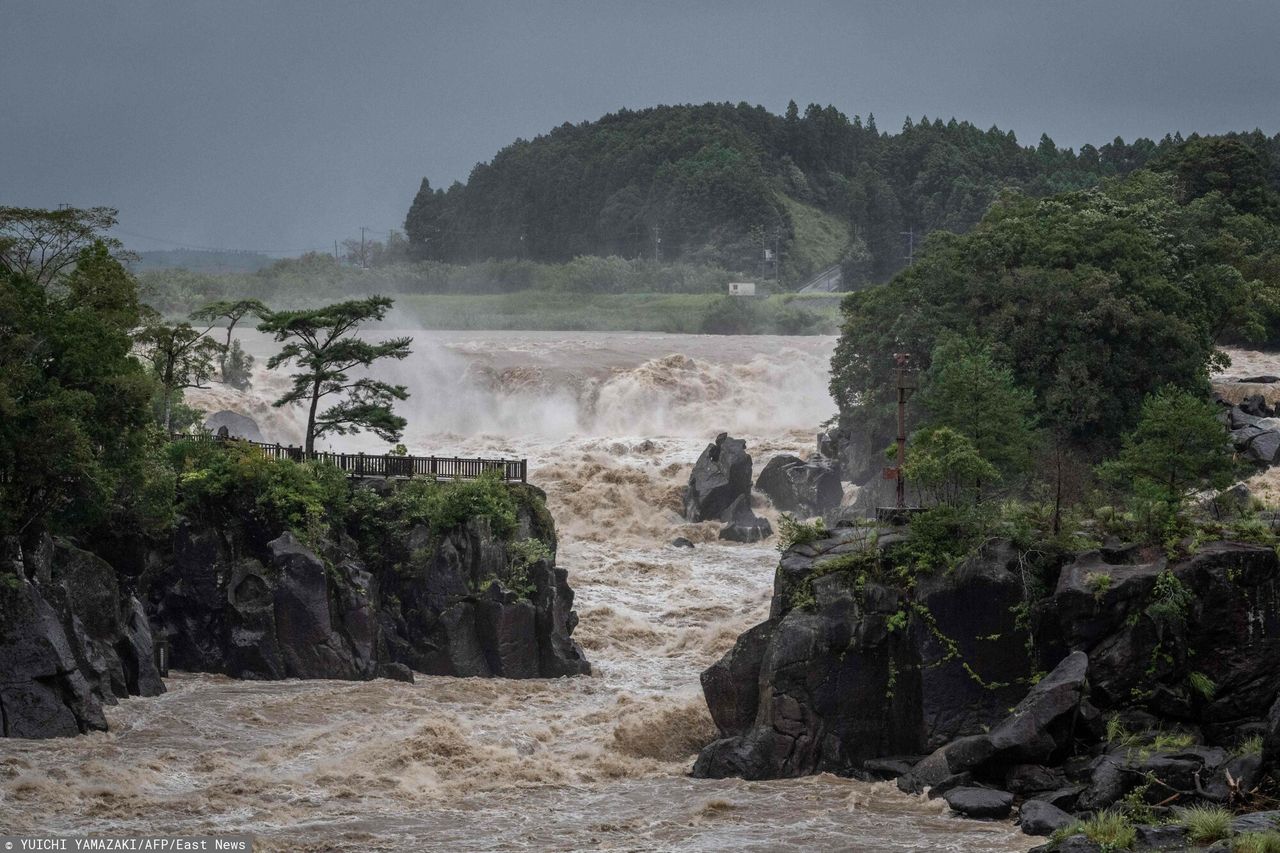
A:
x: 906, y: 384
x: 905, y: 381
x: 657, y: 243
x: 363, y: 265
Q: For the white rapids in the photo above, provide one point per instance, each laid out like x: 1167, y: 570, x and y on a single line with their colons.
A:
x: 610, y: 423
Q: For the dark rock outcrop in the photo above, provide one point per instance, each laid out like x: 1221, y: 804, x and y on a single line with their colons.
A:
x: 980, y: 802
x: 721, y: 475
x: 1037, y: 817
x: 446, y: 615
x: 70, y: 642
x: 1157, y: 670
x: 849, y: 669
x: 1147, y: 624
x: 807, y: 489
x: 232, y: 603
x: 743, y: 524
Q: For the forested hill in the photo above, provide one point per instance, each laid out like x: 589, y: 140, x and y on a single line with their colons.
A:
x: 721, y: 183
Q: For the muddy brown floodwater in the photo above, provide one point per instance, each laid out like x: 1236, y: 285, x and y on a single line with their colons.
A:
x: 611, y: 423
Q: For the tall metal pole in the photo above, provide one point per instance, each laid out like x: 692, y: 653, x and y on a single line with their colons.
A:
x: 906, y: 385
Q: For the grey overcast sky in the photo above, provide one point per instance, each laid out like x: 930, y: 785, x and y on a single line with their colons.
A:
x: 282, y: 125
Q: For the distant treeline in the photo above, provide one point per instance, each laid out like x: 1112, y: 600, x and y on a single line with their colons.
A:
x: 720, y: 184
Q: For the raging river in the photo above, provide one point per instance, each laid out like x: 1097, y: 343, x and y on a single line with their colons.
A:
x: 610, y: 423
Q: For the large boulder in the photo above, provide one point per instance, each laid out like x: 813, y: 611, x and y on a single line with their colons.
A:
x: 1037, y: 817
x: 1264, y: 448
x: 235, y: 424
x: 721, y: 475
x: 732, y: 684
x: 1042, y: 724
x: 979, y: 802
x: 743, y: 525
x: 805, y: 488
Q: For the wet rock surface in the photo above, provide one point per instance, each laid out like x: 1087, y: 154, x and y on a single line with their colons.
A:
x: 1133, y: 676
x: 807, y: 489
x: 278, y: 609
x: 743, y: 524
x: 230, y: 597
x: 721, y: 475
x: 71, y: 641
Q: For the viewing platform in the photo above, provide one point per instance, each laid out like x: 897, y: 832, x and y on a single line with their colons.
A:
x: 387, y: 465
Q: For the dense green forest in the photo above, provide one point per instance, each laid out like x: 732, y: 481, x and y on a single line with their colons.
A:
x: 1057, y: 327
x: 721, y: 184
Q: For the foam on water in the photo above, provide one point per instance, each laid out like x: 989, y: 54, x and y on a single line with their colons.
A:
x: 611, y: 424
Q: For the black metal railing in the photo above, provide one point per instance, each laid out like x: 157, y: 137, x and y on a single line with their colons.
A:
x: 387, y: 465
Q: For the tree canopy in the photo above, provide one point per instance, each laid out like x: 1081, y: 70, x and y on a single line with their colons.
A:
x: 323, y: 343
x: 76, y: 428
x: 720, y: 182
x: 1092, y: 299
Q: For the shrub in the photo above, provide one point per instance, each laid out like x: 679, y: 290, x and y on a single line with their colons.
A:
x: 444, y: 506
x: 1206, y: 824
x: 732, y: 315
x: 521, y: 555
x: 793, y: 532
x: 1098, y: 582
x: 1110, y: 830
x: 235, y: 479
x: 1170, y: 600
x: 1202, y: 684
x: 1256, y: 842
x: 939, y: 538
x: 1251, y: 745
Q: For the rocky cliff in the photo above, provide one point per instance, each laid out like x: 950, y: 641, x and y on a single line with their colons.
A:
x: 237, y: 600
x: 1132, y: 676
x: 234, y: 596
x: 71, y: 641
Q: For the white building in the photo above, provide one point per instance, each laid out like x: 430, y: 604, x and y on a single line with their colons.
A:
x: 742, y: 288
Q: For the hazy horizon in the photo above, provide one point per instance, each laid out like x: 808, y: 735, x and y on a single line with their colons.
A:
x: 284, y: 128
